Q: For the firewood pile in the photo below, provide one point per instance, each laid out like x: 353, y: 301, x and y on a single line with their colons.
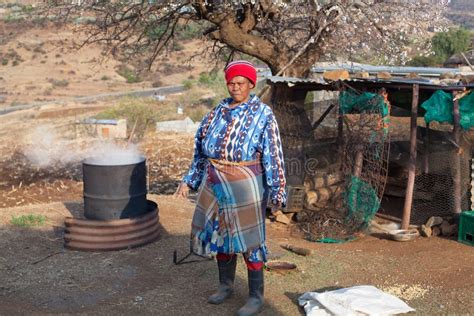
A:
x: 169, y: 156
x: 22, y: 183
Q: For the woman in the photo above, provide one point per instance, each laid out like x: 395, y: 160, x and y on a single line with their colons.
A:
x: 237, y: 167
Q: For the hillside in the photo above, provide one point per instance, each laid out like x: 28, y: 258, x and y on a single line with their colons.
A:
x: 40, y: 63
x: 462, y: 12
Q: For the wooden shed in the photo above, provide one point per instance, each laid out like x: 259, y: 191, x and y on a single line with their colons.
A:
x: 429, y: 187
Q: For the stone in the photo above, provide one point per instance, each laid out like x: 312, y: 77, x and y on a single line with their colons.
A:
x: 282, y: 218
x: 336, y: 75
x: 412, y: 75
x: 384, y: 75
x: 362, y: 74
x: 426, y: 231
x: 447, y: 75
x: 448, y: 229
x: 436, y: 231
x: 448, y: 82
x: 434, y: 221
x: 468, y: 79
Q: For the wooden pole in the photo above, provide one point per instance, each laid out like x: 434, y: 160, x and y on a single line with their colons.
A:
x: 457, y: 157
x: 426, y: 145
x: 359, y: 161
x: 412, y: 163
x: 323, y: 116
x: 340, y: 133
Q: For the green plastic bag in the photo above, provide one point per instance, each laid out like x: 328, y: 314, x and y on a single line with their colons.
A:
x: 365, y: 102
x: 439, y: 108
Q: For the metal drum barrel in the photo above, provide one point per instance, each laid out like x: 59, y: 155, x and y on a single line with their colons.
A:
x: 114, y: 191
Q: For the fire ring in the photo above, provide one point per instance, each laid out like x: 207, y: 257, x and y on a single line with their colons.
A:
x: 117, y: 234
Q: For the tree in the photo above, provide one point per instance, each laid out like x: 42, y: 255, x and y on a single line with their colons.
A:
x: 289, y: 36
x: 444, y: 45
x: 454, y: 41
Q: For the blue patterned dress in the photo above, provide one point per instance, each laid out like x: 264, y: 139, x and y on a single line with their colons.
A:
x: 246, y: 132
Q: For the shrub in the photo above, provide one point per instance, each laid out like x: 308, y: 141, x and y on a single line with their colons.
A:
x: 168, y: 69
x: 157, y: 83
x: 425, y: 61
x: 104, y: 77
x: 59, y: 83
x: 214, y: 81
x: 156, y: 32
x: 129, y: 74
x: 188, y: 84
x: 196, y: 113
x: 177, y: 46
x: 27, y: 8
x: 48, y: 91
x: 28, y: 220
x: 132, y: 109
x: 190, y: 30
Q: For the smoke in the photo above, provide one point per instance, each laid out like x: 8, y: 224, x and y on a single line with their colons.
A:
x: 112, y: 154
x: 45, y: 148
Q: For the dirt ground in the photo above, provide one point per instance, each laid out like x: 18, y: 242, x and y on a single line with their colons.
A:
x: 37, y: 275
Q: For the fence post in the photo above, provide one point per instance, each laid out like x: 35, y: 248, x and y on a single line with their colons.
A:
x: 412, y: 163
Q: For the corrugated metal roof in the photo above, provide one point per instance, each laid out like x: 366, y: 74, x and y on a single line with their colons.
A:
x: 99, y: 121
x: 282, y: 79
x: 393, y: 81
x: 395, y: 70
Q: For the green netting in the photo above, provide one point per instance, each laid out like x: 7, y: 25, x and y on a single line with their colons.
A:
x: 361, y: 200
x: 360, y: 196
x: 439, y: 108
x: 350, y: 102
x: 328, y: 240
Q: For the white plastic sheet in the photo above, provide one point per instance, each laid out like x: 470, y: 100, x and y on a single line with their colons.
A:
x: 356, y: 300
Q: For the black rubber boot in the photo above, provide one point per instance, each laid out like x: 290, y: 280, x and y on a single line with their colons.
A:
x: 254, y: 303
x: 226, y: 280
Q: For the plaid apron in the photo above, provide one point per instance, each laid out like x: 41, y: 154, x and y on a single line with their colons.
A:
x: 230, y: 211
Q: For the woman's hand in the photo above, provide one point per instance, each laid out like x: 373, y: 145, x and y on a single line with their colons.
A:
x: 182, y: 191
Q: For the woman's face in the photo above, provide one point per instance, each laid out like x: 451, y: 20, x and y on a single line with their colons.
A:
x: 239, y: 88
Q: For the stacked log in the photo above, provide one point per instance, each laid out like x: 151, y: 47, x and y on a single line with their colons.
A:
x: 323, y: 188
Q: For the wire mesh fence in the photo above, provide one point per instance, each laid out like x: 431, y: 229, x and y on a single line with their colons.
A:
x: 366, y: 172
x: 434, y: 193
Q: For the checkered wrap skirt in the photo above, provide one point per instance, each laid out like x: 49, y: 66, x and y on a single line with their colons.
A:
x: 230, y: 211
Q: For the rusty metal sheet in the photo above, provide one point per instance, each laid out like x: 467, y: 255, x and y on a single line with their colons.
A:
x: 95, y: 235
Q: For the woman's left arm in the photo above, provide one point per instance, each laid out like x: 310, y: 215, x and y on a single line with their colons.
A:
x: 273, y: 162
